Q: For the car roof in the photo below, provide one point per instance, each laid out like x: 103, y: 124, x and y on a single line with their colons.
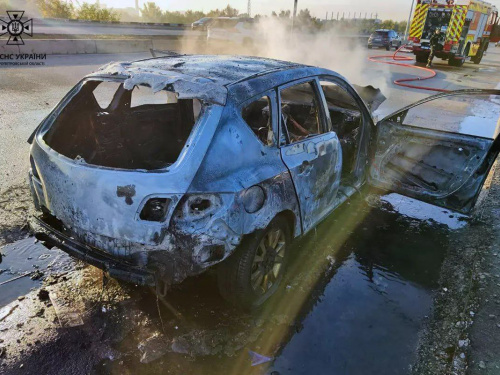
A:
x: 220, y: 69
x: 205, y: 77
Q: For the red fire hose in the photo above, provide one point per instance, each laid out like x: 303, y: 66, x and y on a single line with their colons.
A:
x: 400, y: 82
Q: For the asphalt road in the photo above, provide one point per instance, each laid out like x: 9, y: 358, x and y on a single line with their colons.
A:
x: 357, y: 301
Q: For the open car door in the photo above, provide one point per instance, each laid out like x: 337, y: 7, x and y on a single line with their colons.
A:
x: 444, y: 168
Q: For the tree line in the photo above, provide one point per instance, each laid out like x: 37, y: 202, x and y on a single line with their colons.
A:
x: 151, y: 12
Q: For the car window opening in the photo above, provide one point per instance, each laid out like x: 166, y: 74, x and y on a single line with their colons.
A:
x: 107, y: 125
x: 300, y: 112
x: 257, y: 115
x: 346, y: 122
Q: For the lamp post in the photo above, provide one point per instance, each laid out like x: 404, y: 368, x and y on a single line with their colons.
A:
x: 294, y: 12
x: 409, y: 20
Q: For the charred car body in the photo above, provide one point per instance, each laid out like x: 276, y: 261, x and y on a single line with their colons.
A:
x: 158, y: 169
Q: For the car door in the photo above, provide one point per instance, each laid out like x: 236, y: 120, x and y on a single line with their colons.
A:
x: 309, y: 148
x: 447, y: 169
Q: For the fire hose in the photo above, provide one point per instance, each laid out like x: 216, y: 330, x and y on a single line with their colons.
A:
x: 401, y: 82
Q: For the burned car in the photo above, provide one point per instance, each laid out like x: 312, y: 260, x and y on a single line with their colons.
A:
x: 159, y: 169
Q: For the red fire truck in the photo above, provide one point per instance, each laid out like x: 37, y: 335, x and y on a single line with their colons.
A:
x: 466, y: 27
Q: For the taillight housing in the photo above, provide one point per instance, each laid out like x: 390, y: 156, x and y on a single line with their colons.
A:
x: 155, y: 209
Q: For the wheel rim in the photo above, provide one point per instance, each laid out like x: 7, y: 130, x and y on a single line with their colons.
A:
x: 268, y: 261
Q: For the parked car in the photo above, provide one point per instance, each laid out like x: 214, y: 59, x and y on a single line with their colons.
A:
x: 159, y: 169
x: 202, y: 24
x: 384, y: 38
x: 233, y: 30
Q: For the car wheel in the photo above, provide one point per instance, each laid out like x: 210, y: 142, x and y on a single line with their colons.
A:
x: 253, y: 273
x: 388, y: 47
x: 370, y: 47
x: 455, y: 62
x: 477, y: 59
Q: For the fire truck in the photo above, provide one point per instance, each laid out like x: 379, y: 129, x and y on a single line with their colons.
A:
x: 466, y: 27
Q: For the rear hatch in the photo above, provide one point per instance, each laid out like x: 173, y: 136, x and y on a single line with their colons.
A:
x: 380, y: 37
x: 112, y: 163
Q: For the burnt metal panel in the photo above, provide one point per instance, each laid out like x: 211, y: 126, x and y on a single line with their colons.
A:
x: 445, y: 169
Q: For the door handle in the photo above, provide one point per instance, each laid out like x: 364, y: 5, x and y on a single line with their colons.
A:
x: 304, y: 166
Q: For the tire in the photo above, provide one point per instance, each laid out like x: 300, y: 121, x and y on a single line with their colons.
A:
x: 370, y: 47
x: 421, y: 58
x: 388, y: 47
x: 477, y: 59
x: 455, y: 62
x: 247, y: 282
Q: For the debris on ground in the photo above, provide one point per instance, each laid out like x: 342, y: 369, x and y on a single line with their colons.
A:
x: 258, y: 359
x: 68, y: 311
x: 153, y: 348
x: 37, y: 275
x: 43, y: 295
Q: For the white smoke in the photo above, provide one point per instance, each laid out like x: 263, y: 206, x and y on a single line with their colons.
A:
x: 342, y: 53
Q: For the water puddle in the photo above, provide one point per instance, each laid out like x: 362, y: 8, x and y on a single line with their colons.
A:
x: 484, y: 120
x: 24, y: 264
x: 358, y: 291
x: 419, y: 210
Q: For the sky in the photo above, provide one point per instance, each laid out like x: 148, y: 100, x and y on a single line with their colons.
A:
x: 386, y: 9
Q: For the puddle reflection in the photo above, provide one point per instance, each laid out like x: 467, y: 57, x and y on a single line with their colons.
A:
x: 30, y: 258
x: 357, y: 292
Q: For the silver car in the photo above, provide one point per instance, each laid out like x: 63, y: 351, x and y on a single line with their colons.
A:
x: 158, y: 169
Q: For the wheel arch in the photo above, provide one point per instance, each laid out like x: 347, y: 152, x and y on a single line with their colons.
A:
x: 467, y: 49
x: 292, y: 221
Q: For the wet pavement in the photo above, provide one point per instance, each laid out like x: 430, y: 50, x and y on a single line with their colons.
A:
x: 23, y: 265
x: 359, y: 290
x: 356, y: 300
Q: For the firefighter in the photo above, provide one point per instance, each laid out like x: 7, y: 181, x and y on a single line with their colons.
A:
x: 434, y: 41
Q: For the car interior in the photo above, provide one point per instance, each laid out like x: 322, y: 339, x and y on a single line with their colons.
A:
x: 258, y: 117
x: 107, y: 125
x: 301, y: 118
x: 300, y: 112
x: 346, y: 122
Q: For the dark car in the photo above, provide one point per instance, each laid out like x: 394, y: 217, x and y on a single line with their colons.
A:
x: 158, y: 169
x: 202, y: 24
x: 384, y: 38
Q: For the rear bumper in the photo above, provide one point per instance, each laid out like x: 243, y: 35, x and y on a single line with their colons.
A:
x: 379, y: 43
x: 116, y: 268
x: 439, y: 54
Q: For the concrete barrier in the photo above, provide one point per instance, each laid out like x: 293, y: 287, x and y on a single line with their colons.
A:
x: 122, y: 45
x: 85, y: 46
x: 38, y: 21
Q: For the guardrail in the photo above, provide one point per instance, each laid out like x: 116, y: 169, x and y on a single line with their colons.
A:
x: 49, y: 21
